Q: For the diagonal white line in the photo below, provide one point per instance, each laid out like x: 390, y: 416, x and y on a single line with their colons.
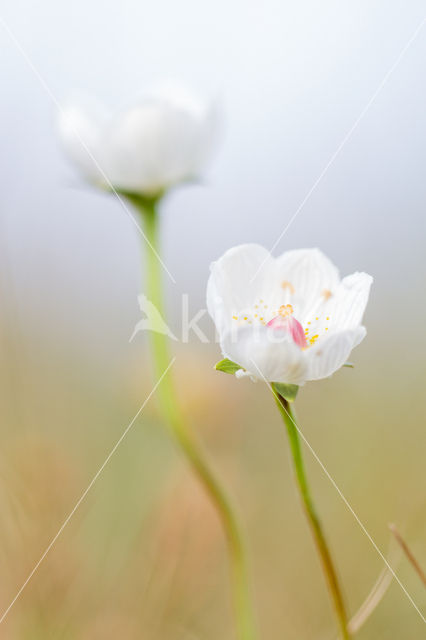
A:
x: 80, y: 139
x: 85, y: 492
x: 345, y: 140
x: 382, y: 556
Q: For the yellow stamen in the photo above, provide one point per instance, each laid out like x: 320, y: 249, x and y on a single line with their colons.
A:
x: 327, y: 294
x: 285, y: 284
x: 285, y: 310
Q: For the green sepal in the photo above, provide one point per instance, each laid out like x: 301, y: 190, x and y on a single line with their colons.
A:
x: 350, y: 365
x: 287, y: 391
x: 227, y: 366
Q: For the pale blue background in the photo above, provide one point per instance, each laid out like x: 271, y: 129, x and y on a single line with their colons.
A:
x: 292, y: 79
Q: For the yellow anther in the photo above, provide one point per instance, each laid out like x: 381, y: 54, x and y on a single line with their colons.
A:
x: 285, y: 310
x: 235, y: 317
x: 285, y: 284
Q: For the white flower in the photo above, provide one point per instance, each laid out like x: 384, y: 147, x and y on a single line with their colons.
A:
x: 289, y: 319
x: 159, y: 141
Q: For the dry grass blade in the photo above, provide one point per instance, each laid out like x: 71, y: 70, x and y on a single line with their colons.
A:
x: 400, y: 540
x: 372, y: 601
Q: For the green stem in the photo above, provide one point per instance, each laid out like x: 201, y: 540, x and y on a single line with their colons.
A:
x: 320, y: 541
x: 173, y: 418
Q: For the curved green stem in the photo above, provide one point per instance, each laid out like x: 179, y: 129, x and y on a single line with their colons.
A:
x: 173, y: 418
x: 320, y: 541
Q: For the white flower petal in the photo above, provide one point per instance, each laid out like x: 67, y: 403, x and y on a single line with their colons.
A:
x: 178, y: 97
x: 200, y: 137
x: 231, y: 288
x: 153, y: 146
x: 331, y: 353
x: 79, y: 124
x: 266, y: 355
x: 241, y: 373
x: 346, y: 307
x: 133, y: 147
x: 310, y: 274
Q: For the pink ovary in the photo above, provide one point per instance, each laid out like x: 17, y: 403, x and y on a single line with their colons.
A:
x: 292, y: 326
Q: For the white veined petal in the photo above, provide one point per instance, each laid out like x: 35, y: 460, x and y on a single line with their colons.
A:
x: 347, y: 305
x: 266, y: 354
x: 331, y: 353
x: 231, y: 288
x: 310, y: 274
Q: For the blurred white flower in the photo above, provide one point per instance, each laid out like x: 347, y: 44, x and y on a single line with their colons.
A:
x: 155, y: 143
x: 289, y: 319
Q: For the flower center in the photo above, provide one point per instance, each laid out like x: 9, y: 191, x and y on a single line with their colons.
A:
x: 285, y: 321
x: 282, y: 318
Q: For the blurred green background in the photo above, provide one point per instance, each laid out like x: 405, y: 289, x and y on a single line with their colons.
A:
x: 144, y: 557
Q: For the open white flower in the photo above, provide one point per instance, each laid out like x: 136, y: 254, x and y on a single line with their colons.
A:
x: 157, y: 142
x: 289, y: 319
